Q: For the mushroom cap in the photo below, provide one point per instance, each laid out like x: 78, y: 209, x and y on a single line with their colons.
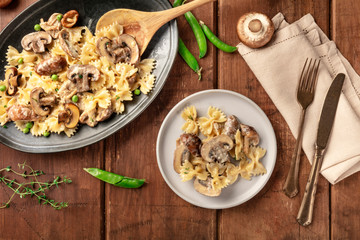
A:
x: 205, y: 187
x: 66, y: 45
x: 81, y: 74
x: 255, y: 29
x: 129, y: 41
x: 180, y: 155
x: 35, y: 102
x: 36, y: 41
x: 74, y: 115
x: 102, y: 48
x: 216, y: 149
x: 11, y: 79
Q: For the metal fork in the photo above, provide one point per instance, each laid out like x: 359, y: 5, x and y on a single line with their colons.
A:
x: 305, y: 96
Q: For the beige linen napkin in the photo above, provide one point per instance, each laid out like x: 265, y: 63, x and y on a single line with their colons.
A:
x: 278, y: 66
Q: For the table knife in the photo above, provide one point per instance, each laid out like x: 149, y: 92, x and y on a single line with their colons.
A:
x: 326, y: 121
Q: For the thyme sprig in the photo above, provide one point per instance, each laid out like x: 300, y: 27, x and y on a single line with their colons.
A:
x: 33, y: 187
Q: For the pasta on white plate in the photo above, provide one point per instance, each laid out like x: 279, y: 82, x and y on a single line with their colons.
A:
x: 215, y: 157
x: 65, y: 76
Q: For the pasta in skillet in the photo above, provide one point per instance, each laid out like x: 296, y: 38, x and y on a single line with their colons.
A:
x: 65, y: 75
x: 229, y: 150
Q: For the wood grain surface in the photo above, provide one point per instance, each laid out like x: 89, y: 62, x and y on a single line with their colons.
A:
x: 101, y: 211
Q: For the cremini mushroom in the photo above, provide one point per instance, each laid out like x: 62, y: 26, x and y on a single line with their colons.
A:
x: 120, y: 49
x: 216, y: 149
x: 70, y: 115
x: 36, y: 41
x: 21, y: 112
x: 205, y: 187
x: 192, y: 142
x: 81, y: 75
x: 13, y: 81
x: 251, y: 137
x: 52, y: 26
x: 66, y: 45
x: 40, y: 102
x: 51, y: 65
x: 255, y: 29
x: 70, y: 18
x: 181, y: 154
x: 231, y: 126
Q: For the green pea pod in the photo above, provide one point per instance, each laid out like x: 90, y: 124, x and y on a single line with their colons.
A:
x: 189, y: 58
x: 177, y: 3
x: 215, y: 40
x: 115, y: 179
x: 199, y: 34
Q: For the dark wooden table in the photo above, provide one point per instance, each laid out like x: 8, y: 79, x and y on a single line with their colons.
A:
x: 100, y: 211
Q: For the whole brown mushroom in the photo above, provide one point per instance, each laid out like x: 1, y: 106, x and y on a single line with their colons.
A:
x: 255, y: 29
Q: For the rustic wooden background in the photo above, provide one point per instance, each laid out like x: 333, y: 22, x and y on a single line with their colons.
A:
x: 101, y: 211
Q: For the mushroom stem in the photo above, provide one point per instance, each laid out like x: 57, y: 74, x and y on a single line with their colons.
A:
x: 255, y: 25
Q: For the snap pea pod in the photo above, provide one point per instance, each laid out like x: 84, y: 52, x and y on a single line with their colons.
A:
x: 215, y: 40
x: 177, y: 3
x: 199, y: 34
x: 115, y: 179
x: 189, y: 58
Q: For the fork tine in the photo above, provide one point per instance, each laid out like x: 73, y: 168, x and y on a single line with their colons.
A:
x: 302, y: 77
x: 307, y: 75
x: 315, y: 77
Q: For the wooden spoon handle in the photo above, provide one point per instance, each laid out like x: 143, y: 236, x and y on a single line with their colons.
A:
x: 160, y: 18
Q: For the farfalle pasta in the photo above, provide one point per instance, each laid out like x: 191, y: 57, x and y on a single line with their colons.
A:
x: 66, y: 75
x: 215, y: 157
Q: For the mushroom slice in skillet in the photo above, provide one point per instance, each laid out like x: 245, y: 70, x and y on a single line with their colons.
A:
x: 52, y: 26
x: 40, y: 102
x: 120, y: 49
x: 70, y: 115
x: 66, y: 45
x: 81, y: 75
x: 36, y: 41
x: 205, y: 187
x: 13, y: 81
x: 217, y: 149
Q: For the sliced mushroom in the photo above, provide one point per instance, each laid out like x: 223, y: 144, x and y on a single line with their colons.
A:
x: 51, y: 65
x: 21, y: 112
x: 70, y: 115
x: 81, y: 75
x: 205, y: 187
x: 67, y: 90
x: 251, y: 137
x: 13, y: 81
x: 103, y: 113
x: 70, y: 18
x: 255, y: 29
x: 36, y: 41
x: 192, y: 142
x: 52, y: 26
x: 231, y: 126
x: 216, y: 149
x: 121, y: 49
x: 181, y: 154
x: 40, y: 102
x: 66, y: 45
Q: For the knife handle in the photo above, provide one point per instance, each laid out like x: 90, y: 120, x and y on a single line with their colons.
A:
x: 305, y: 214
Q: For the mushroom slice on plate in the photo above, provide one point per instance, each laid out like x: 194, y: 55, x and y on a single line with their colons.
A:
x: 70, y: 115
x: 205, y: 187
x: 231, y: 126
x: 40, y: 102
x: 192, y: 142
x: 251, y: 137
x: 181, y: 154
x: 217, y: 149
x: 52, y: 26
x: 121, y: 49
x: 36, y: 41
x: 255, y: 29
x: 81, y: 75
x: 13, y: 81
x: 66, y: 45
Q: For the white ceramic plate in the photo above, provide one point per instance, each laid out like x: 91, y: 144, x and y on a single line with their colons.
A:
x: 231, y: 103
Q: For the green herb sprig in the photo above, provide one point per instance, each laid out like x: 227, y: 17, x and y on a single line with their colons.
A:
x: 33, y: 187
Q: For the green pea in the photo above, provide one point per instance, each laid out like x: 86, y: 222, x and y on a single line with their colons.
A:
x: 137, y: 92
x: 46, y: 134
x: 26, y: 130
x: 2, y: 88
x: 115, y: 179
x: 37, y: 27
x: 59, y: 17
x: 75, y: 98
x: 54, y: 77
x: 29, y: 125
x: 80, y: 76
x: 20, y: 61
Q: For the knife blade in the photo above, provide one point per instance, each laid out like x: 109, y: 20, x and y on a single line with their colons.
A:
x: 326, y: 122
x: 327, y: 116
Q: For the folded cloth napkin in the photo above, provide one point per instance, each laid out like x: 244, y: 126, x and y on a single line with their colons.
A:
x: 278, y: 67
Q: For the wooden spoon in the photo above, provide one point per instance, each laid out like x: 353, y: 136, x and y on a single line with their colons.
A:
x: 143, y: 25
